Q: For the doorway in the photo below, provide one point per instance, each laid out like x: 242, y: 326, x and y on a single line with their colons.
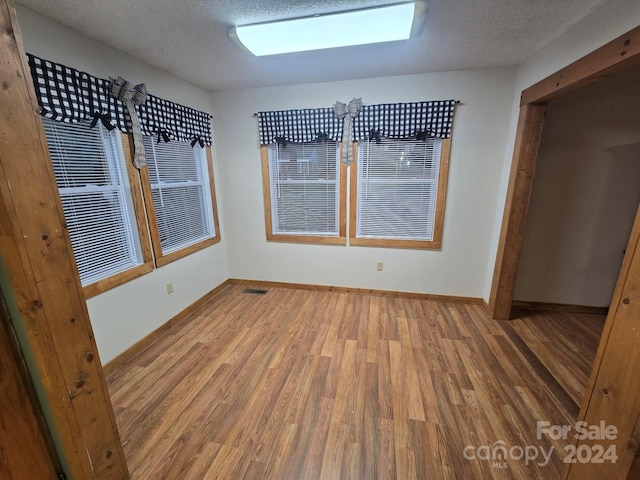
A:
x: 584, y: 197
x: 611, y: 394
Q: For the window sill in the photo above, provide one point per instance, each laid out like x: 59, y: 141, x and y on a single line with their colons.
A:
x: 308, y: 239
x: 390, y: 243
x: 173, y: 256
x: 113, y: 281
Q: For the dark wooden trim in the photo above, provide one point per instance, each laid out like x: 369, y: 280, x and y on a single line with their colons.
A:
x: 515, y: 210
x: 44, y: 282
x: 559, y: 307
x: 360, y: 291
x: 615, y: 56
x: 141, y: 345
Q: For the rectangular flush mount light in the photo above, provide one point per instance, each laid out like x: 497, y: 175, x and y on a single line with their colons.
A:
x: 357, y: 27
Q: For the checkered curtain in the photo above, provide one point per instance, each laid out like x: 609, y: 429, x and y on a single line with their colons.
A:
x: 392, y: 120
x: 405, y: 120
x: 70, y: 96
x: 299, y: 126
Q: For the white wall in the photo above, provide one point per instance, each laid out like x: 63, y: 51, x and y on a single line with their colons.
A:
x: 483, y: 138
x: 478, y: 143
x: 127, y: 313
x: 612, y: 19
x: 585, y: 194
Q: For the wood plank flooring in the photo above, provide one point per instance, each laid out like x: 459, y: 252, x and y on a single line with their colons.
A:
x: 564, y: 343
x: 297, y: 384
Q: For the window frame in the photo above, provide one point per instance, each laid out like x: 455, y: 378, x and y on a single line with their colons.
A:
x: 438, y: 221
x: 140, y: 227
x: 162, y: 259
x: 341, y: 239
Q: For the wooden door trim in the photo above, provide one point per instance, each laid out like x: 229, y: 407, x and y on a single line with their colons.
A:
x: 515, y: 210
x: 615, y: 56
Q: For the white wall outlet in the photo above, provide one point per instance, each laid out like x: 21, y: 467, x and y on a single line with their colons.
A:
x: 379, y: 266
x: 169, y: 288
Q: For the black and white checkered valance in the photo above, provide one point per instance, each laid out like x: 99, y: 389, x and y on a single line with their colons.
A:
x: 69, y: 95
x: 299, y: 126
x: 392, y: 120
x: 405, y: 120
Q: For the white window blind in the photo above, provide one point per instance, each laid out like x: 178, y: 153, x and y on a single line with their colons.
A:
x: 304, y: 183
x: 90, y: 173
x: 397, y: 188
x: 179, y: 179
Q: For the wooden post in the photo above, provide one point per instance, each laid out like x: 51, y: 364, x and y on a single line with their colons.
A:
x: 20, y: 430
x: 36, y: 250
x: 525, y: 155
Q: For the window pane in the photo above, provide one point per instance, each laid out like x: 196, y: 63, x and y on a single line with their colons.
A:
x: 87, y: 163
x: 181, y: 214
x: 304, y: 188
x: 397, y: 189
x: 181, y: 194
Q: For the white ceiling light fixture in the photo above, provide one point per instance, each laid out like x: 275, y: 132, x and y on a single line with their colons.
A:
x: 387, y: 23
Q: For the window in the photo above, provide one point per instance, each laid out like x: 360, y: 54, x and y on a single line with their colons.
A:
x: 397, y: 189
x: 93, y: 180
x: 398, y: 192
x: 304, y: 192
x: 180, y: 183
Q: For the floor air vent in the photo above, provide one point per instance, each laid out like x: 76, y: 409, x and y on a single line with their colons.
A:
x: 255, y: 291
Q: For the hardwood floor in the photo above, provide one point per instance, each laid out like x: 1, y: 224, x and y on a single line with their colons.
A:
x: 296, y: 384
x: 564, y: 343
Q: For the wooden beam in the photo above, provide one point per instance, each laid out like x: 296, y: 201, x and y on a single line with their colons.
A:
x: 605, y: 61
x: 20, y: 430
x: 613, y: 395
x: 515, y: 210
x: 45, y: 285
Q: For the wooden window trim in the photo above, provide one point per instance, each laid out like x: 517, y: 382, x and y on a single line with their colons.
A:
x: 112, y: 281
x: 436, y: 243
x: 163, y: 259
x: 309, y: 239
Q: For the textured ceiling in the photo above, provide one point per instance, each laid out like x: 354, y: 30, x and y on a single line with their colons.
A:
x: 189, y: 37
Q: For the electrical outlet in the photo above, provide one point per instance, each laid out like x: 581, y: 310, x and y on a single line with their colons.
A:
x: 379, y: 266
x: 169, y: 288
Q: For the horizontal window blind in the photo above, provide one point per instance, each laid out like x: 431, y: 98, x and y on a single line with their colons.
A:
x: 89, y: 172
x: 181, y: 193
x: 397, y: 187
x: 304, y: 183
